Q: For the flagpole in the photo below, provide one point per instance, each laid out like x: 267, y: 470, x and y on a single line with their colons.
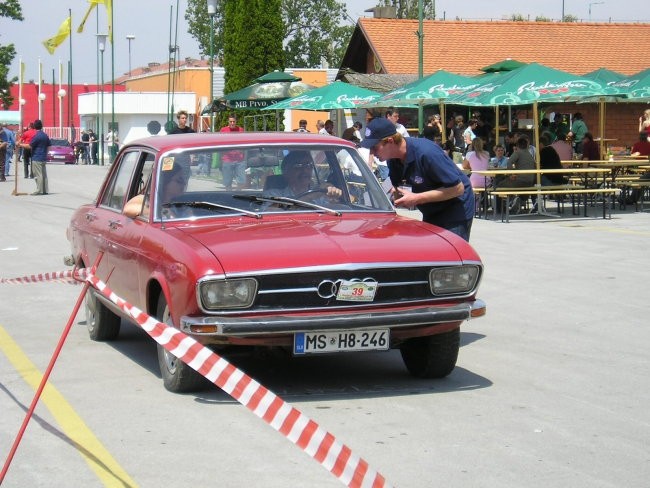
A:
x: 70, y: 90
x: 115, y: 133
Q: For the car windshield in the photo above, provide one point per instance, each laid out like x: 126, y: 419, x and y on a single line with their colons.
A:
x: 59, y: 142
x: 253, y: 181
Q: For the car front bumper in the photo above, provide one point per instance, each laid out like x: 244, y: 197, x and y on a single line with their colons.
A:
x: 221, y: 326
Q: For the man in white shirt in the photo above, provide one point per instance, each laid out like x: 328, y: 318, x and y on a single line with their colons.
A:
x: 392, y: 114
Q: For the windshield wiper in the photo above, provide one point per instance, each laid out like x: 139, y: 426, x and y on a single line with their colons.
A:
x: 290, y: 201
x: 212, y: 206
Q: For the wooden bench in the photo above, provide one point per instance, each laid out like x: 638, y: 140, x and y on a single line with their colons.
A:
x: 481, y: 205
x: 570, y: 190
x: 628, y: 185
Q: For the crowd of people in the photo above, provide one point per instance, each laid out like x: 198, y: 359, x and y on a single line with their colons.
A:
x: 424, y: 172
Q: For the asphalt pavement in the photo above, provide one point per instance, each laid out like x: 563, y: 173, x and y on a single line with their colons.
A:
x: 549, y: 390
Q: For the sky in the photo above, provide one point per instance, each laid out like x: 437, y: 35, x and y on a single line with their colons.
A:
x: 149, y: 22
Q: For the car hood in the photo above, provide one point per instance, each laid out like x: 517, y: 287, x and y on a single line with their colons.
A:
x: 273, y: 243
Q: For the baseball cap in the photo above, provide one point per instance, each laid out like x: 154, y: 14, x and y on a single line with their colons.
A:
x: 376, y: 130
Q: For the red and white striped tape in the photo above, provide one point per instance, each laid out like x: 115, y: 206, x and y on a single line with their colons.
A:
x: 72, y: 276
x: 322, y: 446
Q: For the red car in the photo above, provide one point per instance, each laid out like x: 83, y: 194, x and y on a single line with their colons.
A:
x: 272, y: 239
x: 60, y: 151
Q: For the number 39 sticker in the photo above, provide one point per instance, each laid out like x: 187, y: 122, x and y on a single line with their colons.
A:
x: 357, y: 291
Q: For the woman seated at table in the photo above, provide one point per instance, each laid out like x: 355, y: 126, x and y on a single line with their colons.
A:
x: 550, y: 159
x: 642, y: 146
x: 477, y: 160
x: 590, y: 149
x: 564, y: 149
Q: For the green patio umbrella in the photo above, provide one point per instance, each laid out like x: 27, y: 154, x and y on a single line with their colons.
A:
x: 530, y: 84
x: 605, y: 77
x: 507, y: 64
x: 635, y: 88
x: 430, y: 90
x: 260, y: 95
x: 277, y: 76
x: 337, y: 95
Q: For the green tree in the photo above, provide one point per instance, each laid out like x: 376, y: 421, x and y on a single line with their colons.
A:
x: 570, y: 18
x: 408, y: 9
x: 253, y: 33
x: 12, y: 10
x: 313, y: 31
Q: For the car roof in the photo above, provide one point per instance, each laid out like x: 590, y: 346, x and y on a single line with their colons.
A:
x: 180, y: 141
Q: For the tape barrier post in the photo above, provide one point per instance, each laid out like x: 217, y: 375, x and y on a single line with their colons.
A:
x: 46, y: 375
x: 322, y: 446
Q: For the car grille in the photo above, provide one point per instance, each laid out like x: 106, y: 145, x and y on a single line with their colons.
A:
x: 299, y: 291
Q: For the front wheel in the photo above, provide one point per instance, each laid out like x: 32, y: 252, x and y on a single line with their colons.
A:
x: 177, y: 376
x: 432, y: 356
x: 102, y: 324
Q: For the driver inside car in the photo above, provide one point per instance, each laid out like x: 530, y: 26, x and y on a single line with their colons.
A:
x: 297, y: 169
x: 173, y: 183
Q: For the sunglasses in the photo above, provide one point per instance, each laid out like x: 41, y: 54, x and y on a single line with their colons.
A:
x: 300, y: 165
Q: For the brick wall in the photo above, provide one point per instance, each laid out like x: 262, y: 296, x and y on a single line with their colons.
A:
x: 621, y: 119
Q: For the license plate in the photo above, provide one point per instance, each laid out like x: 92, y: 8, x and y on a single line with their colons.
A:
x: 341, y: 341
x: 59, y: 157
x: 356, y: 291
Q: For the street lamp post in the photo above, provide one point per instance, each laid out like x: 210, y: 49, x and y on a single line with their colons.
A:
x: 61, y: 95
x: 102, y: 47
x: 129, y: 38
x: 41, y: 99
x: 593, y: 3
x: 212, y: 11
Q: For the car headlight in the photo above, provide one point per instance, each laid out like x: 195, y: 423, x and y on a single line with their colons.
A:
x: 225, y: 294
x: 453, y: 280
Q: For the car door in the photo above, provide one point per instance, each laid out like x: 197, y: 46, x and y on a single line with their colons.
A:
x: 125, y: 233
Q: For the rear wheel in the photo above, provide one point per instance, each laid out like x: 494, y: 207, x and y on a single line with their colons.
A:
x: 432, y: 356
x: 102, y: 324
x: 177, y: 376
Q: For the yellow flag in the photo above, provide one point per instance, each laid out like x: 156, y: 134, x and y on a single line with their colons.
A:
x: 53, y: 42
x: 93, y: 4
x: 109, y: 13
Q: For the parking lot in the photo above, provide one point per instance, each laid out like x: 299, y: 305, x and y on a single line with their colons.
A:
x: 549, y: 390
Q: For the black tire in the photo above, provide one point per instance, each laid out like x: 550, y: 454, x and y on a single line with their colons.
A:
x: 103, y: 325
x: 177, y: 376
x: 432, y: 356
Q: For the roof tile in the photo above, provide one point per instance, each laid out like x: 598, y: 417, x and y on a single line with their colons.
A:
x: 466, y: 46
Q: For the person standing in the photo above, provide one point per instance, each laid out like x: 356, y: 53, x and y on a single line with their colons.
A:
x: 320, y: 126
x: 94, y: 147
x: 182, y: 127
x: 578, y: 131
x: 11, y: 145
x: 329, y: 127
x: 233, y: 166
x: 433, y: 129
x: 39, y: 144
x: 456, y: 133
x: 25, y: 139
x: 392, y: 114
x: 113, y: 143
x: 302, y: 126
x: 437, y: 187
x: 3, y: 154
x: 352, y: 133
x: 85, y: 151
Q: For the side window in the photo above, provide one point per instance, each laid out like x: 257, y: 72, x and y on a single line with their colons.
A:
x: 119, y: 186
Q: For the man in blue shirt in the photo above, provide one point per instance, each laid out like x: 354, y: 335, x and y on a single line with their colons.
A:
x: 11, y: 140
x: 39, y: 144
x: 438, y: 188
